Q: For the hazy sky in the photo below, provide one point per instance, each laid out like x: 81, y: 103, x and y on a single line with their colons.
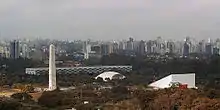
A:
x: 110, y: 19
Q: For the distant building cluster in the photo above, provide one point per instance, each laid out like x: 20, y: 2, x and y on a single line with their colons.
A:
x: 158, y: 46
x: 39, y: 48
x: 14, y: 49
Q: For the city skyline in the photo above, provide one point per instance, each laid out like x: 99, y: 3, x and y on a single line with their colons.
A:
x: 86, y: 49
x: 110, y: 19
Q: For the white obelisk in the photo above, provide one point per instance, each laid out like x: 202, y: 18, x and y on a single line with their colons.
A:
x: 52, y: 69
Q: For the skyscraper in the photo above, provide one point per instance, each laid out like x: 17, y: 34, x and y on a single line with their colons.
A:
x: 104, y: 49
x: 86, y: 49
x: 130, y: 44
x: 14, y: 49
x: 141, y: 48
x: 201, y: 47
x: 159, y: 45
x: 208, y: 49
x: 24, y: 51
x: 122, y: 45
x: 149, y: 46
x: 170, y: 47
x: 186, y: 49
x: 115, y: 47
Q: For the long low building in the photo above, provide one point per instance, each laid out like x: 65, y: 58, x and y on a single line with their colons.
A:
x: 87, y: 69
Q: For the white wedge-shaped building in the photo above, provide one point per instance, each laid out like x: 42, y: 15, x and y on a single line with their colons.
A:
x: 52, y: 69
x: 166, y: 82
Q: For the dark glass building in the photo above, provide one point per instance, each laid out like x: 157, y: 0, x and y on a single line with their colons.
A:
x: 14, y: 49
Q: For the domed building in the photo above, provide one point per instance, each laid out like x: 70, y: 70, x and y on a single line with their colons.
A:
x: 110, y: 75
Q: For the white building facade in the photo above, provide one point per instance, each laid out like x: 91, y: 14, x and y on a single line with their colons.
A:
x: 186, y: 79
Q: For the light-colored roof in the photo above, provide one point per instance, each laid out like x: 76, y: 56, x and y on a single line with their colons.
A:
x: 109, y: 75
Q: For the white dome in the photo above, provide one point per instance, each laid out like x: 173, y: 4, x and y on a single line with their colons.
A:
x: 109, y: 75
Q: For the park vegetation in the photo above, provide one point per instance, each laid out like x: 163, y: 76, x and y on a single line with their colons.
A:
x: 132, y: 93
x: 117, y: 98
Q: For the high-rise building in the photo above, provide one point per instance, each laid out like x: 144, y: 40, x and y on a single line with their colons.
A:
x: 201, y: 47
x: 149, y: 46
x: 179, y: 47
x: 170, y: 47
x: 104, y: 49
x: 141, y: 48
x: 122, y: 45
x: 1, y: 51
x: 154, y: 48
x: 217, y: 43
x: 163, y: 48
x: 159, y: 45
x: 130, y: 44
x: 4, y: 49
x: 115, y: 47
x: 216, y: 51
x: 216, y: 47
x: 7, y: 52
x: 24, y: 51
x: 186, y: 49
x: 86, y: 49
x: 208, y: 49
x: 14, y: 49
x: 111, y: 48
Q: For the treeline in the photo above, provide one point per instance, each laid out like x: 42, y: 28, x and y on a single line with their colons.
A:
x: 165, y: 65
x: 17, y: 66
